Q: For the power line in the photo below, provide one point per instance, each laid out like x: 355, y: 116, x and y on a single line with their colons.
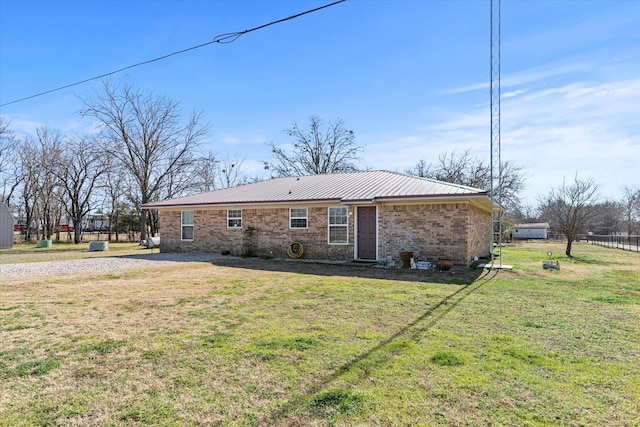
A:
x: 221, y: 39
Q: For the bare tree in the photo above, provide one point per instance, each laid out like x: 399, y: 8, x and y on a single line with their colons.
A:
x: 525, y: 213
x: 467, y: 169
x: 207, y: 171
x: 48, y: 154
x: 214, y: 173
x: 631, y: 205
x: 27, y: 176
x: 463, y: 169
x: 231, y: 172
x: 8, y: 144
x: 606, y: 218
x: 569, y: 207
x: 113, y: 187
x: 148, y: 136
x: 78, y: 169
x: 38, y: 181
x: 315, y: 150
x: 112, y: 184
x: 421, y: 169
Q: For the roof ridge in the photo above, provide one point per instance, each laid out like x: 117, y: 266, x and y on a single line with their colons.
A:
x: 354, y: 172
x: 435, y: 181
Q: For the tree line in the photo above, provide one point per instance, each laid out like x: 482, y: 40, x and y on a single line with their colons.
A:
x: 572, y: 208
x: 146, y: 150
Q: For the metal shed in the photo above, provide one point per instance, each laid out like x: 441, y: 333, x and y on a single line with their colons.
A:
x: 530, y: 231
x: 6, y: 227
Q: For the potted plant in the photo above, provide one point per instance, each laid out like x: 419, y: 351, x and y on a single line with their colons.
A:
x: 444, y: 264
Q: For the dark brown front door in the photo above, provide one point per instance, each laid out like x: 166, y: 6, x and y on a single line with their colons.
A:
x: 367, y: 232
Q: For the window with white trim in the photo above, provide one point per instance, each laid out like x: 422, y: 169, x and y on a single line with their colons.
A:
x: 338, y: 225
x: 234, y: 218
x: 186, y: 225
x: 298, y: 217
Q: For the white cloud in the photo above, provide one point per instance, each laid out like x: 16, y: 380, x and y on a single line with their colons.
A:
x: 528, y: 76
x: 589, y: 128
x: 234, y: 139
x: 22, y: 126
x: 514, y: 93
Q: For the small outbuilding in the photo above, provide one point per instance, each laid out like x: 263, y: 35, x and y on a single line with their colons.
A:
x: 366, y: 216
x: 6, y: 227
x: 530, y: 231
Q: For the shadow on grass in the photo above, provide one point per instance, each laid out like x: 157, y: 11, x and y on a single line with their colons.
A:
x: 382, y: 351
x: 458, y: 275
x: 587, y: 260
x: 357, y: 366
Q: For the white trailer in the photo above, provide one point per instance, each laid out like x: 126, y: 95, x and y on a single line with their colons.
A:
x: 530, y: 231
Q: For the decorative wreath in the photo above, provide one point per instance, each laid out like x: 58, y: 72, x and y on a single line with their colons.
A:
x: 295, y: 250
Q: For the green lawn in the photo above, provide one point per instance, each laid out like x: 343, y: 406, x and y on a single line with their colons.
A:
x: 254, y: 342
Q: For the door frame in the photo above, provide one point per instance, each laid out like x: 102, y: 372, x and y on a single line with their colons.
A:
x: 356, y: 240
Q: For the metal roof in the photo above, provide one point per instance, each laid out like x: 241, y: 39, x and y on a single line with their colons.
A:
x: 532, y: 225
x: 349, y: 187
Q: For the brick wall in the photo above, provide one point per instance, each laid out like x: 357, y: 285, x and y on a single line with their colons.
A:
x: 479, y: 233
x: 265, y: 232
x: 429, y: 231
x: 432, y: 231
x: 453, y: 230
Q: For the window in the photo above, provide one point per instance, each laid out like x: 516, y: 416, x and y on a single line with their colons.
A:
x: 298, y: 218
x: 187, y: 225
x: 338, y: 226
x: 234, y: 218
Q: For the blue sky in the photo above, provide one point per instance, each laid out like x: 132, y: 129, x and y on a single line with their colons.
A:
x: 410, y: 78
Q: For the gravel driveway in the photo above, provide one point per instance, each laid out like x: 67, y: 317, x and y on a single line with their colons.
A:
x: 101, y: 264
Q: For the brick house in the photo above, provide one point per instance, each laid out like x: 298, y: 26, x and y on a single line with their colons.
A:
x: 372, y: 215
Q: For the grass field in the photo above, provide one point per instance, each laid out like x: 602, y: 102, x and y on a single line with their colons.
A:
x: 246, y: 342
